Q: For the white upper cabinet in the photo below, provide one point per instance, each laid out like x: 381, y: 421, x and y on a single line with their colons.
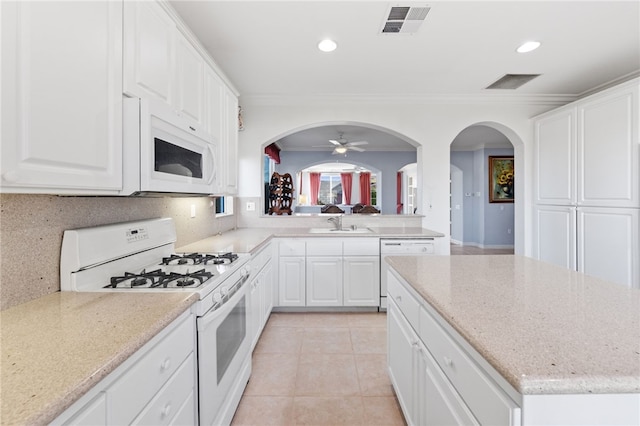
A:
x: 149, y: 51
x: 230, y: 143
x: 588, y: 153
x: 555, y: 151
x: 61, y: 97
x: 608, y: 148
x: 213, y: 88
x: 190, y: 80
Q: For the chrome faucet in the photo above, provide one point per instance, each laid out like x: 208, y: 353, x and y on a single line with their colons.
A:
x: 337, y: 221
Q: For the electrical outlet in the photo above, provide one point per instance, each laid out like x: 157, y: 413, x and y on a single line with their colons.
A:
x: 251, y: 206
x: 193, y: 210
x: 509, y: 231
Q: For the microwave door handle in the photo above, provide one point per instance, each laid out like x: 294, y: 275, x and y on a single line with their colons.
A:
x: 213, y: 164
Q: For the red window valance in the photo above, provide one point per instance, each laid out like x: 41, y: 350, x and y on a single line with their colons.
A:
x: 273, y: 152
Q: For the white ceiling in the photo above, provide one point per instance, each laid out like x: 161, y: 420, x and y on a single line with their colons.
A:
x: 268, y: 48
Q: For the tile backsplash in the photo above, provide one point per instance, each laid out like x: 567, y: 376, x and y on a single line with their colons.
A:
x: 31, y: 228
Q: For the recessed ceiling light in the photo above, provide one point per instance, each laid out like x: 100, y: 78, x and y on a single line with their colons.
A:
x: 327, y: 45
x: 528, y: 46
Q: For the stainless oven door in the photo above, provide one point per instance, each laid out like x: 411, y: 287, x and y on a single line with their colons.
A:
x: 223, y: 352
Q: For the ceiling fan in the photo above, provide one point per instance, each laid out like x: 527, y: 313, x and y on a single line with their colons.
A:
x: 342, y: 145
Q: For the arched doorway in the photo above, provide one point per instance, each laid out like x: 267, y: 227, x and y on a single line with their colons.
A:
x: 481, y: 224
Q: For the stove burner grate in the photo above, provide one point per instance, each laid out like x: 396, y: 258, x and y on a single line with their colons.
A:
x: 160, y: 279
x: 152, y: 279
x: 188, y: 279
x: 199, y: 259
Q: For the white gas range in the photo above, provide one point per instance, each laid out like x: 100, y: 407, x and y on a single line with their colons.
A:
x: 140, y: 257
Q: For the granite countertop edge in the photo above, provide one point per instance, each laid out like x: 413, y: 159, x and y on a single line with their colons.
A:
x: 251, y: 240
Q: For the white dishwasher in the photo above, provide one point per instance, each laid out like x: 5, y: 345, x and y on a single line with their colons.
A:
x: 400, y: 247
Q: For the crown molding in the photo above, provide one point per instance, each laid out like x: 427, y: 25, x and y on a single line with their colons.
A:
x: 378, y: 99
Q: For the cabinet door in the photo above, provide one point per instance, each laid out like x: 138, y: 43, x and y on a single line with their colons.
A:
x: 438, y: 404
x: 555, y: 235
x: 255, y: 315
x: 230, y: 131
x: 324, y: 281
x: 212, y: 123
x: 93, y: 414
x: 555, y: 160
x: 401, y: 346
x: 189, y: 80
x: 608, y: 246
x: 47, y: 148
x: 149, y: 51
x: 361, y: 281
x: 608, y: 149
x: 267, y: 289
x: 291, y: 285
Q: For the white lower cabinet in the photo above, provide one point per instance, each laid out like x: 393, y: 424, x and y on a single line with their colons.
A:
x: 599, y: 241
x: 156, y: 385
x: 609, y: 244
x: 261, y: 292
x: 359, y: 272
x: 435, y: 381
x: 324, y: 281
x: 329, y: 272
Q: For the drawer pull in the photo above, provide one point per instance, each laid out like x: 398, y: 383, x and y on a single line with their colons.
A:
x: 166, y: 410
x: 399, y: 298
x: 165, y: 364
x: 448, y: 362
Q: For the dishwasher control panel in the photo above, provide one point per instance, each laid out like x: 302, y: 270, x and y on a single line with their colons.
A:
x: 407, y: 247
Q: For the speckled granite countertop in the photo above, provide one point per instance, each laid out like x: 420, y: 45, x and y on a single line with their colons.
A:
x: 246, y: 240
x: 56, y: 348
x: 545, y: 329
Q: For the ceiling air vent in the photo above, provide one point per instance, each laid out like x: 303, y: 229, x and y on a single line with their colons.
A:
x: 512, y: 81
x: 404, y: 19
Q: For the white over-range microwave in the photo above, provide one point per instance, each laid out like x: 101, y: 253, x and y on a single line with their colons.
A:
x: 165, y: 153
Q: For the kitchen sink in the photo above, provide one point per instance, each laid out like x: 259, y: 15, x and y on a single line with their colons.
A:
x: 340, y: 231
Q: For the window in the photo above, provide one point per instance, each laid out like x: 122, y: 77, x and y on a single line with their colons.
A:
x: 330, y: 189
x: 224, y: 206
x: 374, y: 189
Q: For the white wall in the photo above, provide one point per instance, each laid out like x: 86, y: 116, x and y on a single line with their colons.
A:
x: 431, y: 125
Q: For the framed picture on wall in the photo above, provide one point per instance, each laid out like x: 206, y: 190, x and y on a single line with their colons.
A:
x: 500, y: 179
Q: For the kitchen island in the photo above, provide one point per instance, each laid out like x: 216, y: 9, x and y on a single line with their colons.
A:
x: 560, y: 345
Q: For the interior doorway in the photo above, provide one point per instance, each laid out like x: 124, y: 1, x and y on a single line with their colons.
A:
x: 477, y: 219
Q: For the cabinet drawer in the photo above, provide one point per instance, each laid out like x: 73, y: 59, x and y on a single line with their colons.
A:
x: 409, y: 306
x: 361, y: 247
x: 169, y: 400
x: 489, y: 404
x: 291, y: 248
x: 324, y: 247
x: 141, y: 382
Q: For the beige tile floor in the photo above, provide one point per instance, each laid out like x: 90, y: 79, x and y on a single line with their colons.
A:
x: 320, y: 369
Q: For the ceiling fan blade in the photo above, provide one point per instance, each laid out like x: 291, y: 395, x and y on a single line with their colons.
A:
x: 357, y: 143
x: 335, y: 142
x: 321, y: 146
x: 355, y: 148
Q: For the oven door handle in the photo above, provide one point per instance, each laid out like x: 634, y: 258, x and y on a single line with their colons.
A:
x: 221, y: 310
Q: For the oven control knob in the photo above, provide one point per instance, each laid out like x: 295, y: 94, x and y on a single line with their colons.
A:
x: 223, y: 290
x: 217, y: 298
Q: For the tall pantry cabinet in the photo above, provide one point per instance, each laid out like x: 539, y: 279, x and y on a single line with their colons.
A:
x: 587, y: 200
